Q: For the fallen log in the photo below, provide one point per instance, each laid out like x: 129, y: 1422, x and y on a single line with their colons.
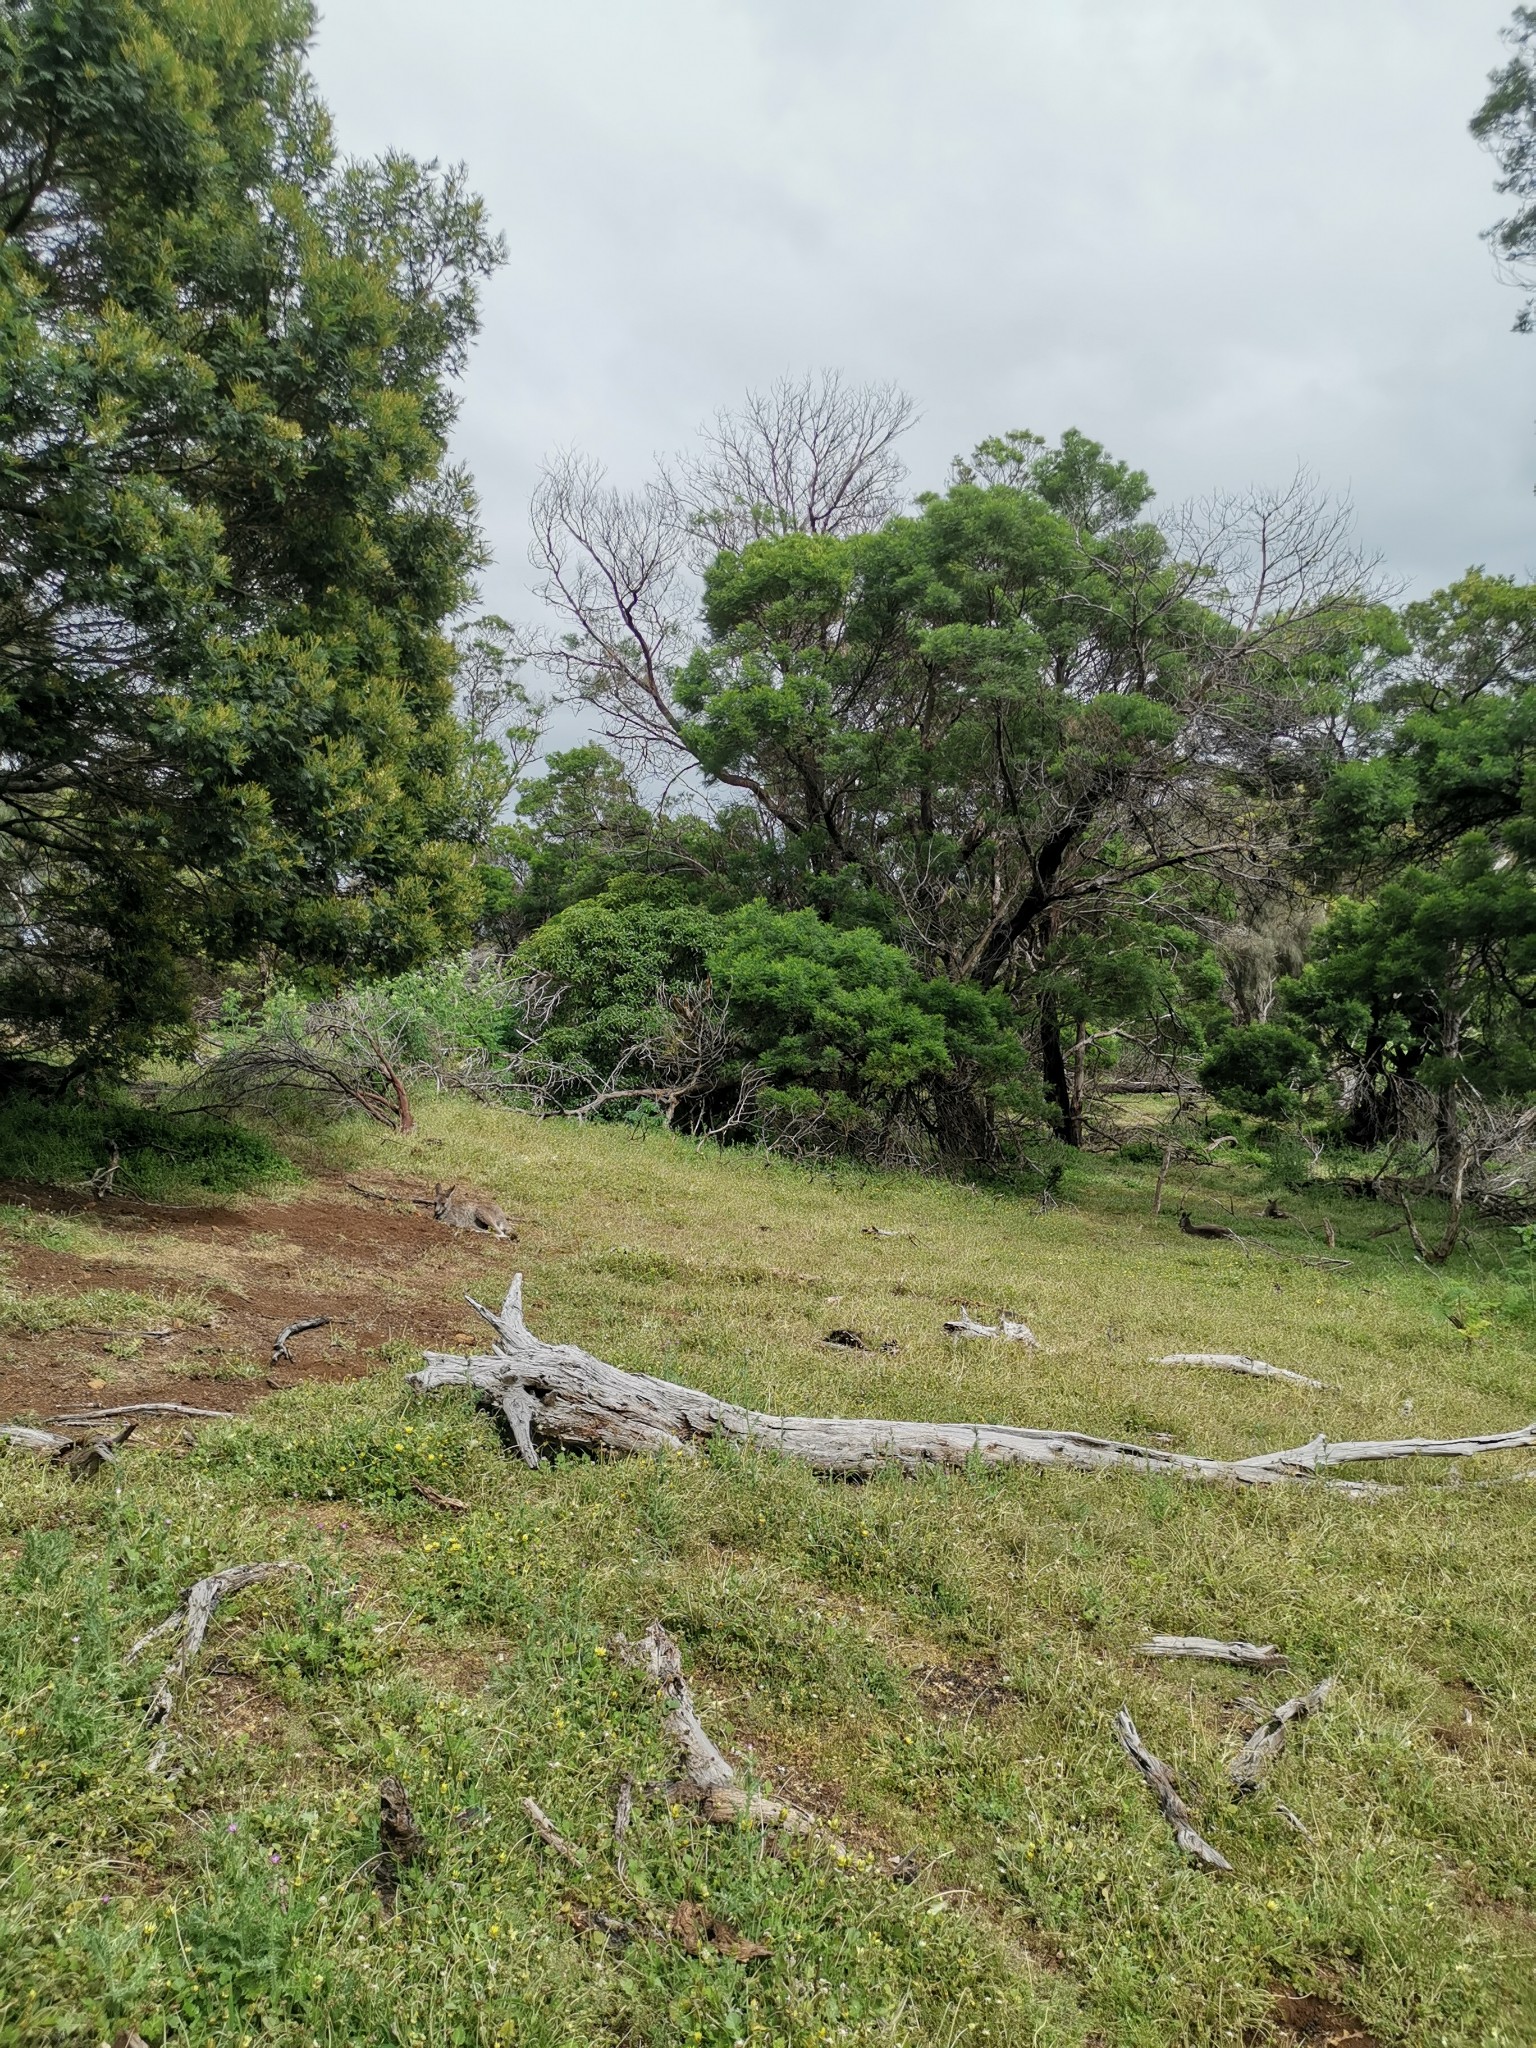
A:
x: 190, y: 1621
x: 280, y: 1349
x: 567, y: 1398
x: 1160, y: 1780
x: 1266, y: 1742
x: 708, y: 1781
x: 81, y: 1456
x: 1236, y: 1361
x: 1252, y: 1656
x: 89, y: 1415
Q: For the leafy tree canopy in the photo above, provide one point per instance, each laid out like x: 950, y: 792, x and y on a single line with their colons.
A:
x: 228, y: 527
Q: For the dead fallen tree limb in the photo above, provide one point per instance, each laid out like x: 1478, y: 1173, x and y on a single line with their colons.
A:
x: 1252, y: 1656
x: 1235, y: 1361
x: 708, y: 1782
x: 280, y: 1349
x: 81, y: 1456
x: 88, y: 1415
x: 577, y: 1402
x: 1266, y: 1742
x: 551, y: 1836
x: 1160, y: 1779
x: 190, y: 1621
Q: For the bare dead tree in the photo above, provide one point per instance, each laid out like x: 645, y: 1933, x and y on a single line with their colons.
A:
x: 810, y: 454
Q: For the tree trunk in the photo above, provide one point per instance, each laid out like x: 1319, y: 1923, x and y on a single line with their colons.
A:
x: 1058, y: 1081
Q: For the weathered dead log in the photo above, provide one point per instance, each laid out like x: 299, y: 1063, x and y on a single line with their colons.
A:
x: 280, y: 1349
x: 81, y: 1456
x: 1166, y: 1793
x: 90, y: 1415
x: 708, y: 1782
x: 964, y: 1325
x: 1266, y: 1742
x: 190, y: 1621
x: 550, y: 1835
x: 567, y: 1398
x: 1235, y: 1361
x: 1252, y: 1656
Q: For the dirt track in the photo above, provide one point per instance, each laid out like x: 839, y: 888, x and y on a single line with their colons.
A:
x: 383, y: 1271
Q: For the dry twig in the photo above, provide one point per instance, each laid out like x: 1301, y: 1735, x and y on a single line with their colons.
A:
x: 1165, y: 1792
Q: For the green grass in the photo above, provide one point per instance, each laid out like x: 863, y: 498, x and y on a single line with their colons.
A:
x: 163, y: 1157
x: 231, y: 1904
x: 115, y: 1311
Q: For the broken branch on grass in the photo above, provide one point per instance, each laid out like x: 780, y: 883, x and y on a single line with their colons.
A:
x: 280, y: 1349
x: 963, y: 1325
x: 190, y: 1621
x: 708, y: 1781
x: 450, y: 1502
x: 1252, y: 1656
x: 623, y: 1808
x: 82, y: 1457
x: 1160, y: 1779
x: 577, y: 1402
x: 1235, y: 1361
x: 1266, y: 1742
x: 550, y: 1835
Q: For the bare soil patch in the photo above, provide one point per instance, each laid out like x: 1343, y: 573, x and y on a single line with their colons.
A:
x: 383, y: 1272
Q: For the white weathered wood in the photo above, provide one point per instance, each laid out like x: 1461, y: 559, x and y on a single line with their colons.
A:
x: 1166, y: 1793
x: 1266, y: 1742
x: 48, y: 1442
x: 582, y: 1403
x: 550, y: 1835
x: 709, y: 1782
x: 89, y: 1415
x: 1235, y: 1361
x: 191, y: 1621
x: 1254, y: 1656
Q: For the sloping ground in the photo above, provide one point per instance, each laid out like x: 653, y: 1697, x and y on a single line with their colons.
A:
x: 931, y: 1668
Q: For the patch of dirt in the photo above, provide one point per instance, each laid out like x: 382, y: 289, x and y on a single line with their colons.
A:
x: 227, y: 1706
x: 1301, y: 2018
x: 963, y: 1691
x: 383, y: 1272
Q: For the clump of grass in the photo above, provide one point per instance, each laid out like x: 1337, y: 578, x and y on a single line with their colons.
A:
x: 162, y: 1157
x: 114, y: 1309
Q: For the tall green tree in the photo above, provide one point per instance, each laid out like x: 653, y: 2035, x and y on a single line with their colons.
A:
x: 229, y: 531
x: 1026, y: 730
x: 1506, y: 126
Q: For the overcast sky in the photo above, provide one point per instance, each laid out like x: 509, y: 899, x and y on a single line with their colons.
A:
x: 1225, y: 237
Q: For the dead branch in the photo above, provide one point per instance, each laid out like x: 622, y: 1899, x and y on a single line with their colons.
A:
x: 1254, y: 1656
x: 1013, y: 1333
x: 81, y: 1457
x: 1160, y: 1779
x: 280, y: 1349
x: 144, y: 1408
x: 708, y: 1782
x: 579, y: 1402
x: 447, y: 1501
x: 1162, y: 1176
x: 623, y: 1808
x: 1235, y: 1361
x: 550, y: 1835
x: 1266, y: 1743
x: 101, y: 1180
x: 190, y: 1621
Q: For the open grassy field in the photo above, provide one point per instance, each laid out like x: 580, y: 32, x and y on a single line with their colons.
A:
x: 932, y: 1666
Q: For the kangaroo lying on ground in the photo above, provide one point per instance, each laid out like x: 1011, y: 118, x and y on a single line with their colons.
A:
x: 467, y: 1212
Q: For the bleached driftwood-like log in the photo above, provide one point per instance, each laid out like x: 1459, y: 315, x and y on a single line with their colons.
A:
x: 1253, y: 1656
x: 708, y: 1782
x: 1266, y: 1742
x: 579, y: 1402
x: 1235, y: 1361
x: 280, y: 1351
x: 1166, y: 1793
x: 964, y: 1325
x: 89, y: 1415
x: 47, y: 1442
x: 190, y: 1621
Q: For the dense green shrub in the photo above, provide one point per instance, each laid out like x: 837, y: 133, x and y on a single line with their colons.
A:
x: 1261, y: 1069
x: 160, y: 1155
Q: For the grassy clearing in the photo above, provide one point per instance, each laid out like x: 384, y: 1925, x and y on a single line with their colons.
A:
x: 934, y: 1665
